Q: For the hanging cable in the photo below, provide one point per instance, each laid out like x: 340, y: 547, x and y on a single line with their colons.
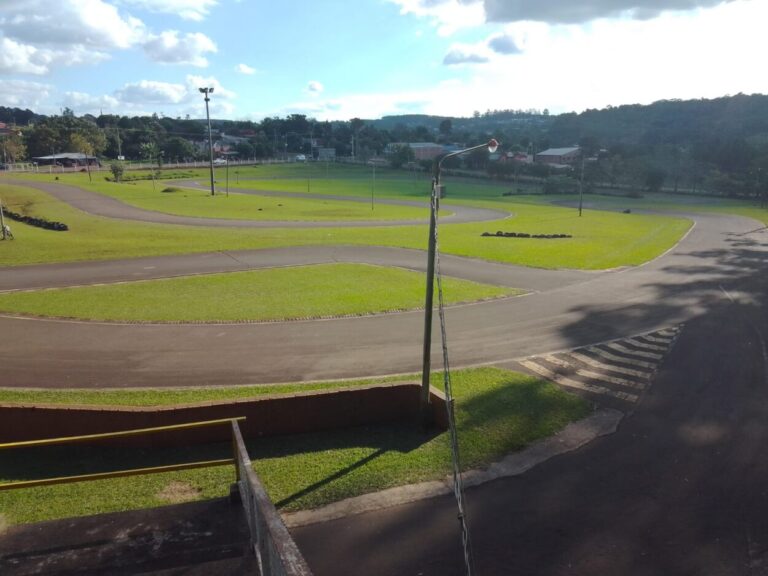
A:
x: 458, y: 488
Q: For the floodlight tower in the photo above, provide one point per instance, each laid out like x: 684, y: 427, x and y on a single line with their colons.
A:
x: 208, y: 91
x: 492, y: 145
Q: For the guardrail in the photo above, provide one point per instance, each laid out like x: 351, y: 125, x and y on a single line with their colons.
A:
x: 119, y: 473
x: 275, y: 550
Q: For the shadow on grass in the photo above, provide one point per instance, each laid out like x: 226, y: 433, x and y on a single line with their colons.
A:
x: 59, y: 461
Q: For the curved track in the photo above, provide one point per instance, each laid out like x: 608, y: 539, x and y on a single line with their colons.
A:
x: 108, y: 207
x: 564, y: 310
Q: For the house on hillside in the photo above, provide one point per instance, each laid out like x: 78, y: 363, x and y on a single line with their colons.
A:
x: 559, y: 156
x: 509, y: 157
x: 326, y: 154
x: 421, y: 150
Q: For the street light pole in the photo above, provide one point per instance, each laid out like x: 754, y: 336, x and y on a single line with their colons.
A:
x: 208, y: 91
x: 581, y: 184
x: 492, y: 145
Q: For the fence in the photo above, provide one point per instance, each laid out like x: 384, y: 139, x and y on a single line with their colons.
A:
x: 275, y: 550
x: 134, y: 165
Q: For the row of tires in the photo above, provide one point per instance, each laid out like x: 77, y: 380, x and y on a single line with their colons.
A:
x: 501, y: 234
x: 37, y: 222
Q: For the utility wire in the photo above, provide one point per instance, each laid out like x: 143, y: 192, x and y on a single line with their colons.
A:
x: 458, y: 487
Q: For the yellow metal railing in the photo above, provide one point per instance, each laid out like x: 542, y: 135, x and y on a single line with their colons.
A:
x: 123, y: 473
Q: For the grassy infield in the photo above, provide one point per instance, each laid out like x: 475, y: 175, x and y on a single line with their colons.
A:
x: 301, y: 292
x: 498, y: 411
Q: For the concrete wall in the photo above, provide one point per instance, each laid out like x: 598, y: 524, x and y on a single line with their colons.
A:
x: 266, y: 416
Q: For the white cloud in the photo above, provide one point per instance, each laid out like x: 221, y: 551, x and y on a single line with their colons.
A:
x: 364, y: 105
x: 151, y: 92
x: 58, y: 24
x: 39, y: 34
x: 193, y: 83
x: 315, y: 87
x: 503, y: 44
x: 147, y: 97
x: 452, y: 15
x: 572, y: 68
x: 464, y: 55
x: 245, y: 69
x: 85, y: 103
x: 21, y: 58
x: 195, y: 10
x: 23, y: 94
x: 170, y: 47
x: 448, y: 15
x: 570, y: 12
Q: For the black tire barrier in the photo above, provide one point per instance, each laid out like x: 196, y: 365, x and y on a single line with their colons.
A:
x: 37, y: 222
x: 500, y: 234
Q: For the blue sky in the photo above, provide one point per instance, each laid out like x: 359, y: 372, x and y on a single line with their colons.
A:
x: 335, y: 59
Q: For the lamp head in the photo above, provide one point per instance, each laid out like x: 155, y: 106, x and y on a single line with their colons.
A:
x: 493, y: 145
x: 202, y: 90
x: 210, y: 90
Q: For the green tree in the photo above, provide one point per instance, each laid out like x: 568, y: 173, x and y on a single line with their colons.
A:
x: 177, y: 148
x: 117, y: 170
x: 14, y: 149
x: 42, y: 140
x: 401, y: 156
x: 654, y: 179
x: 77, y: 142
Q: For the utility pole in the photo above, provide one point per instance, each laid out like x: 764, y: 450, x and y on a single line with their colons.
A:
x: 208, y: 91
x: 2, y: 219
x: 581, y: 184
x: 426, y: 413
x: 373, y: 186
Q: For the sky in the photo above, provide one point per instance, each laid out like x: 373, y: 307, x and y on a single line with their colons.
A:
x: 339, y: 59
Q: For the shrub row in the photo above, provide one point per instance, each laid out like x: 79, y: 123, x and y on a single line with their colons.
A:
x: 38, y: 222
x: 158, y: 175
x: 501, y: 234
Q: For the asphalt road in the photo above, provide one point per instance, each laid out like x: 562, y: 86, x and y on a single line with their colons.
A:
x: 564, y: 310
x: 680, y: 489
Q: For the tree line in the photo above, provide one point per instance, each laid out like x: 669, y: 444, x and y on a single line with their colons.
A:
x: 718, y: 145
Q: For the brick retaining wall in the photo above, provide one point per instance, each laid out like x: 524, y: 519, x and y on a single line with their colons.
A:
x: 266, y: 416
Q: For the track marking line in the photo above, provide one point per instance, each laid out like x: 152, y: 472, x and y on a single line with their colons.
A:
x: 619, y: 348
x: 645, y: 345
x: 667, y: 341
x: 611, y: 367
x: 568, y: 382
x: 624, y: 359
x: 593, y: 375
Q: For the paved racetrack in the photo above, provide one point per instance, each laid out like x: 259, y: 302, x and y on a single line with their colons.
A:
x: 564, y: 309
x: 108, y: 207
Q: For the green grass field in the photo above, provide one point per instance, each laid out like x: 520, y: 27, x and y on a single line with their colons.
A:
x: 171, y: 199
x: 497, y: 412
x: 171, y: 396
x: 272, y: 294
x: 600, y: 239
